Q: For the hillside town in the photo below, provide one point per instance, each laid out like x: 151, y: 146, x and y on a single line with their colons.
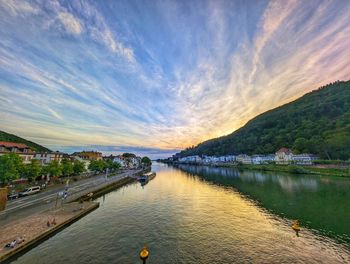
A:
x: 283, y: 156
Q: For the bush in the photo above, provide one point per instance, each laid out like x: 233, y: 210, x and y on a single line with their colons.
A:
x: 264, y: 168
x: 296, y: 169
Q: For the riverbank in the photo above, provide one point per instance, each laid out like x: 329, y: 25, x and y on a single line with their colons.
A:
x: 35, y: 228
x: 295, y: 169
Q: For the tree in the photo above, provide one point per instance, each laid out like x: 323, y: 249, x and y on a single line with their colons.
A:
x: 32, y: 170
x: 300, y: 144
x: 129, y: 155
x: 97, y: 166
x: 54, y: 168
x: 11, y: 166
x: 112, y: 165
x: 146, y: 161
x: 67, y: 167
x: 78, y: 167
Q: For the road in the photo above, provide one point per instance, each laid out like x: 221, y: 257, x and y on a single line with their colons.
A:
x: 45, y: 199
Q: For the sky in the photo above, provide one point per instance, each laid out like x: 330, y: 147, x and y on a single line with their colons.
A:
x: 153, y: 77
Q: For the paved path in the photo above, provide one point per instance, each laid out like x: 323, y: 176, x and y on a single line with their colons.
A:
x: 34, y: 227
x: 24, y: 206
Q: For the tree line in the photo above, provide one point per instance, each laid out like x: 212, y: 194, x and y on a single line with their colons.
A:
x: 12, y: 168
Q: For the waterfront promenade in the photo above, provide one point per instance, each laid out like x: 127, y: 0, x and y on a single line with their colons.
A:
x: 44, y: 200
x: 29, y: 218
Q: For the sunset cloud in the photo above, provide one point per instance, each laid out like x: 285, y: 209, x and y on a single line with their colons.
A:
x: 161, y: 75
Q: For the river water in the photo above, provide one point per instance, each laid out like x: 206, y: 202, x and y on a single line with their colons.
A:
x: 195, y: 214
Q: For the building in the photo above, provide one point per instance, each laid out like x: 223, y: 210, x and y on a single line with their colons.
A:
x: 263, y: 159
x: 134, y: 162
x: 191, y: 159
x: 227, y: 159
x: 21, y: 149
x: 284, y: 156
x: 120, y: 159
x: 85, y: 161
x: 304, y: 159
x: 89, y: 155
x: 244, y: 158
x: 47, y: 157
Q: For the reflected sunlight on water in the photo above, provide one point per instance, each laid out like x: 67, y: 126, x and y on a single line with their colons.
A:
x: 185, y: 219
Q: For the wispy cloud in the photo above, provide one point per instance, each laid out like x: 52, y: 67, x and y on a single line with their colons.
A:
x: 71, y: 23
x: 162, y: 75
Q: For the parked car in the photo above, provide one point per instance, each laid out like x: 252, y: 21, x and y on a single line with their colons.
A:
x: 29, y: 191
x: 12, y: 196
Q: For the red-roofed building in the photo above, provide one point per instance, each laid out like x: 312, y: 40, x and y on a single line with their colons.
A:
x: 21, y: 149
x: 284, y: 156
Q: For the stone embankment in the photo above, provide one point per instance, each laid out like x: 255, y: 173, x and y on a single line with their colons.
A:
x: 41, y: 225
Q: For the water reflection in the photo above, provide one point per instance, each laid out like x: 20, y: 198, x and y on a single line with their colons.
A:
x: 194, y: 215
x: 321, y: 203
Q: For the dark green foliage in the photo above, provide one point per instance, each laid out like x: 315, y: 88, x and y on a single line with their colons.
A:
x: 97, y: 166
x: 296, y: 169
x: 129, y: 155
x: 146, y: 161
x: 12, y: 138
x: 318, y: 123
x: 32, y: 170
x: 11, y: 167
x: 112, y: 166
x: 78, y: 167
x: 67, y: 167
x: 54, y: 168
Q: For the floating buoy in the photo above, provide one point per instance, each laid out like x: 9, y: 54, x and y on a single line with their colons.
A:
x: 296, y: 227
x: 144, y: 254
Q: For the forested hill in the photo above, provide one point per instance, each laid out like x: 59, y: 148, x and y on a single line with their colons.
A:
x: 318, y: 122
x: 13, y: 138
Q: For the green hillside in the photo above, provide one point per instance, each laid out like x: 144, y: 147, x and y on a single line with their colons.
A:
x: 318, y: 122
x: 13, y: 138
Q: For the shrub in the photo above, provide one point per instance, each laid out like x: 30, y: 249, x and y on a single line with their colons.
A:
x: 296, y: 169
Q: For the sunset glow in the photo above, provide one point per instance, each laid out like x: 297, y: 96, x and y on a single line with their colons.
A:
x: 154, y: 77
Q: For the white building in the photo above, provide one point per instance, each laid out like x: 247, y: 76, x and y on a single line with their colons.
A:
x: 263, y: 159
x: 244, y: 158
x: 128, y: 162
x: 46, y: 157
x: 191, y: 159
x: 226, y: 159
x: 304, y: 159
x: 120, y: 160
x: 134, y: 162
x: 284, y: 156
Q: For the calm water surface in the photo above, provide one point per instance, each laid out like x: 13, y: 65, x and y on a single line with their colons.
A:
x: 210, y: 215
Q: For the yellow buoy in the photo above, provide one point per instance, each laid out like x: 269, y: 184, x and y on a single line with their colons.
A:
x: 144, y: 254
x: 296, y: 225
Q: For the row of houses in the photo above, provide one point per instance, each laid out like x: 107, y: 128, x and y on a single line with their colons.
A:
x: 282, y: 156
x: 127, y: 162
x: 27, y: 154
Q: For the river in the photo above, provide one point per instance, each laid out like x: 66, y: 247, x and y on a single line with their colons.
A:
x: 193, y: 214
